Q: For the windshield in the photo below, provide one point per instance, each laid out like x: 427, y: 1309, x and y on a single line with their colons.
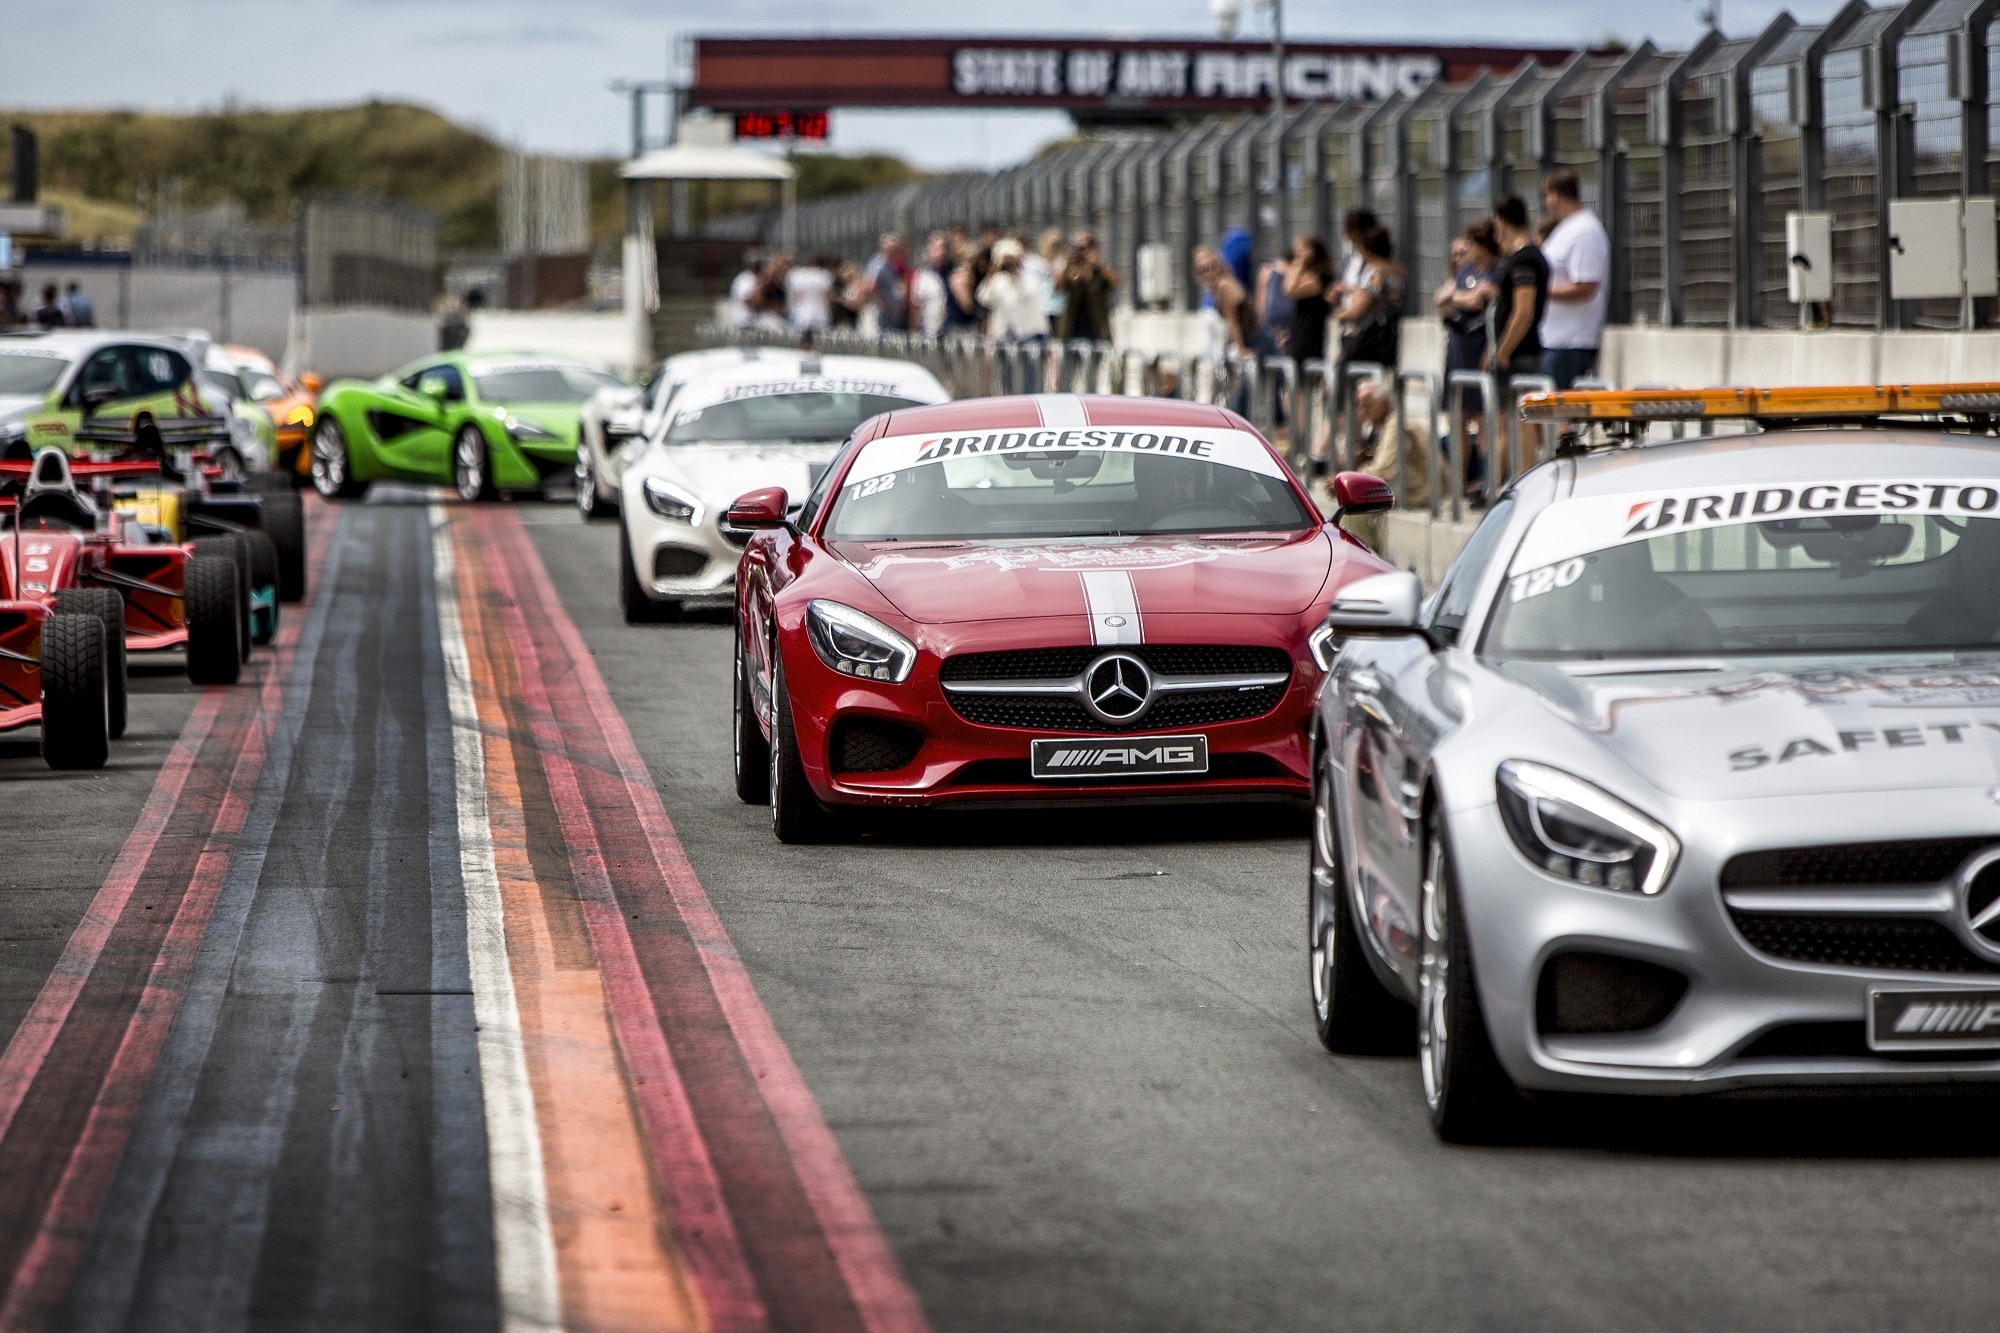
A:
x: 781, y: 418
x: 542, y: 384
x: 1838, y: 582
x: 30, y: 372
x: 225, y: 381
x: 1027, y: 489
x: 263, y: 387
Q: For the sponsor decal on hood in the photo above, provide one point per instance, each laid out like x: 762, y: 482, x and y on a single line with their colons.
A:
x: 1572, y: 528
x: 1228, y: 448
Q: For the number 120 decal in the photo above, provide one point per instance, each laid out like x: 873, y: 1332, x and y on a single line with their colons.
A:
x: 1546, y: 579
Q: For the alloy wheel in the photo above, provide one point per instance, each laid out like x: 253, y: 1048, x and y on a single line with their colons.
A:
x: 469, y: 455
x: 1325, y: 883
x: 329, y: 460
x: 1434, y: 977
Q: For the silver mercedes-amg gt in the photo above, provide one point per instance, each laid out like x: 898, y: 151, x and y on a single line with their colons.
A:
x: 1686, y: 778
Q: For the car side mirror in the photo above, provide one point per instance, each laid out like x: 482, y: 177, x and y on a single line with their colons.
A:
x: 311, y: 383
x: 1359, y: 493
x: 434, y: 388
x: 761, y: 508
x: 1379, y: 606
x: 97, y: 395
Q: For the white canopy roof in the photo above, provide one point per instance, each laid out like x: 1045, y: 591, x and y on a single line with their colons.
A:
x: 686, y: 162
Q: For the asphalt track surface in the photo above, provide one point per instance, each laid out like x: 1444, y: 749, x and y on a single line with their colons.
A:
x: 433, y: 977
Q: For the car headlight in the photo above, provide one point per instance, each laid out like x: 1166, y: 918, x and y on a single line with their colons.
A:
x: 1324, y: 645
x: 523, y: 429
x: 671, y: 502
x: 858, y: 645
x: 302, y: 415
x: 1581, y: 833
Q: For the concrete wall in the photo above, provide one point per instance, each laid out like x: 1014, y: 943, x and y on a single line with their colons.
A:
x: 360, y: 343
x: 1682, y: 358
x: 254, y: 308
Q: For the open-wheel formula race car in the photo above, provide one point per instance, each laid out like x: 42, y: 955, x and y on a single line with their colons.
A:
x: 73, y: 577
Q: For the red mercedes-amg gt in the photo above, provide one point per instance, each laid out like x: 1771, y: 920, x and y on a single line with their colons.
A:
x: 1044, y: 598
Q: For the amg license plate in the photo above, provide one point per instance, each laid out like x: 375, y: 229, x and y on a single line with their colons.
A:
x: 1127, y: 756
x: 1933, y: 1020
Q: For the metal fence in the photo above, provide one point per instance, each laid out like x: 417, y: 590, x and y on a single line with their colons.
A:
x: 1691, y: 158
x: 363, y: 251
x: 1298, y: 405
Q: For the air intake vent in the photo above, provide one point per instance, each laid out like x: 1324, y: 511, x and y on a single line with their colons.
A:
x: 870, y: 745
x: 677, y: 562
x: 1600, y: 992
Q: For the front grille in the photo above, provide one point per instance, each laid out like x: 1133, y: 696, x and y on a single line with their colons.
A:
x: 1598, y: 993
x: 1883, y: 943
x: 870, y: 745
x: 677, y: 562
x: 1162, y: 659
x: 1017, y: 773
x: 1924, y: 861
x: 1040, y: 713
x: 1169, y: 711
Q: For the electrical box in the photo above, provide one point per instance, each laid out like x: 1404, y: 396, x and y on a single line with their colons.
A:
x: 1156, y: 274
x: 1809, y: 257
x: 1926, y: 248
x: 1982, y: 248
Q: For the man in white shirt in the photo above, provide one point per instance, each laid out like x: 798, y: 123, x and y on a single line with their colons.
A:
x: 809, y: 296
x: 741, y: 290
x: 1579, y: 255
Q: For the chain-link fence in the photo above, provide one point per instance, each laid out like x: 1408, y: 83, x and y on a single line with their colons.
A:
x: 1693, y: 159
x: 361, y: 251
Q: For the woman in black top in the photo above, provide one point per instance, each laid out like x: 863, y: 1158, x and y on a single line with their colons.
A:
x: 1308, y: 277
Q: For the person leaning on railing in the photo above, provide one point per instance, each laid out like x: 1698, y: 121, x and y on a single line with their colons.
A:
x: 1380, y: 453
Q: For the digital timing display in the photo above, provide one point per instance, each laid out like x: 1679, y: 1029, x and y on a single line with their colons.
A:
x: 781, y: 125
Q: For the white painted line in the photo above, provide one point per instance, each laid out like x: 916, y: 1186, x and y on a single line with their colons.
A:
x: 523, y: 1245
x: 1061, y: 410
x: 1114, y: 606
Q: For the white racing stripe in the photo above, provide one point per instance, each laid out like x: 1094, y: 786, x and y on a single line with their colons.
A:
x: 524, y: 1248
x: 1114, y: 606
x: 1061, y: 410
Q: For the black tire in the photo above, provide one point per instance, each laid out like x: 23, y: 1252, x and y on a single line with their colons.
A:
x: 76, y: 702
x: 238, y: 551
x: 1353, y: 1012
x: 796, y: 814
x: 752, y: 753
x: 1470, y: 1097
x: 108, y: 606
x: 284, y: 519
x: 589, y: 502
x: 332, y: 465
x: 639, y: 608
x: 209, y: 594
x: 472, y: 466
x: 264, y: 574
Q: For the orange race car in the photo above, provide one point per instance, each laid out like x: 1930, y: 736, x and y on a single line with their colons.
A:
x: 292, y: 403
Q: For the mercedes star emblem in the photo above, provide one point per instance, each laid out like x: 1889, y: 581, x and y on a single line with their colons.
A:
x: 1117, y: 687
x: 1981, y: 880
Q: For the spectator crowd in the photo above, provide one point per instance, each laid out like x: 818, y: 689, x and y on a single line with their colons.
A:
x: 69, y: 309
x: 997, y: 286
x: 1523, y: 297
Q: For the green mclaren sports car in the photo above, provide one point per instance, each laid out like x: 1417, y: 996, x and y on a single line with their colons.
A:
x: 479, y: 422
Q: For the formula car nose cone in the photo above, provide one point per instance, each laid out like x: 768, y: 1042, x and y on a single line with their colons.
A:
x: 1117, y: 687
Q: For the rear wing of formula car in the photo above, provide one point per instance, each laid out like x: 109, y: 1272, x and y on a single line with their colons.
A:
x: 1628, y: 411
x: 174, y: 432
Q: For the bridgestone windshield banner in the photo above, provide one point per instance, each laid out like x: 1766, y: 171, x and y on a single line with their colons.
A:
x: 1571, y: 528
x: 1228, y: 448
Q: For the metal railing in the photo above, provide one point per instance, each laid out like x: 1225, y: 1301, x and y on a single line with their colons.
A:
x: 1298, y: 406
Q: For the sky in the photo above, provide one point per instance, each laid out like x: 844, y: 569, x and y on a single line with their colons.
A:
x: 536, y: 73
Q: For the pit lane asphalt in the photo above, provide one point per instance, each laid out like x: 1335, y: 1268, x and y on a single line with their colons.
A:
x: 1069, y: 1058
